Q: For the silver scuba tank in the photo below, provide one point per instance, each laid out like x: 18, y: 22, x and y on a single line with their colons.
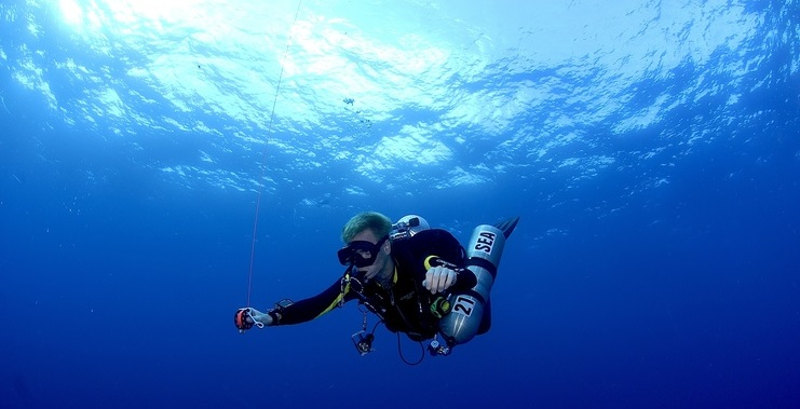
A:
x: 485, y: 247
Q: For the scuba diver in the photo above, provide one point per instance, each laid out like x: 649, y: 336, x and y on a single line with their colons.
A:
x: 416, y: 280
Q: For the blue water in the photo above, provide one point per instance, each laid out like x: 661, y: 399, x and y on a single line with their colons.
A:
x: 651, y: 149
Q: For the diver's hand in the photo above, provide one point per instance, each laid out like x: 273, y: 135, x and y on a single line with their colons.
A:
x: 438, y: 279
x: 246, y: 317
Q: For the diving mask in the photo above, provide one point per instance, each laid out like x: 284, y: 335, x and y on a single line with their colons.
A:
x: 360, y: 253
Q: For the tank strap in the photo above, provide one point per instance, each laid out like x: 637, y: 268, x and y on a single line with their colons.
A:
x: 484, y: 264
x: 473, y: 293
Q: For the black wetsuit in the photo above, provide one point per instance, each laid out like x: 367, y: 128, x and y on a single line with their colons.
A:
x: 406, y: 305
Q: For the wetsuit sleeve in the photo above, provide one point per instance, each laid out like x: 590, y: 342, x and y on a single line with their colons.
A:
x: 443, y: 246
x: 310, y: 308
x: 465, y: 279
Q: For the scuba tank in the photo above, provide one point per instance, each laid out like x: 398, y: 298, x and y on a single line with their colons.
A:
x: 484, y: 250
x: 408, y: 226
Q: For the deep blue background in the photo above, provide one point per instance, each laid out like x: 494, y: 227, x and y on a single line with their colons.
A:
x: 118, y: 283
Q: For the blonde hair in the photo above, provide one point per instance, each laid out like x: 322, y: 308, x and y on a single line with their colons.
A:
x: 377, y: 222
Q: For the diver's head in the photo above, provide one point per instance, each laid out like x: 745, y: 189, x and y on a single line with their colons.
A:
x: 367, y: 245
x: 378, y: 223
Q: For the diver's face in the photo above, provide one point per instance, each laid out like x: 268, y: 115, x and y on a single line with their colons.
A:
x: 381, y: 261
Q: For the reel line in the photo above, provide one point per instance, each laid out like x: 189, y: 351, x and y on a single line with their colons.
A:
x: 264, y: 159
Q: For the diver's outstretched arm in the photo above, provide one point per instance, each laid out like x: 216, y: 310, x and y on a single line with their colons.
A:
x: 287, y: 312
